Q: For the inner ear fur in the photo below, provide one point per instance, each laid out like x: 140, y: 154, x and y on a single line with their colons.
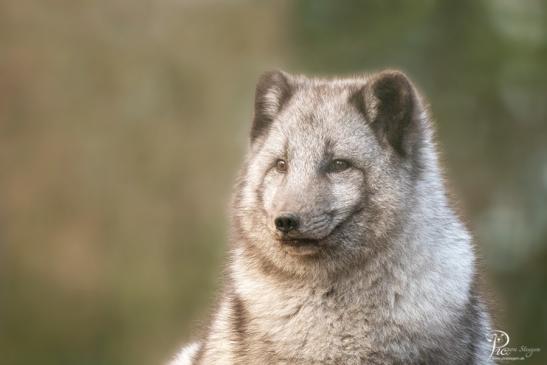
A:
x: 390, y: 105
x: 273, y: 90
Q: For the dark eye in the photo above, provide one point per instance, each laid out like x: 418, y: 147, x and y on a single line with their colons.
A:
x: 338, y: 166
x: 281, y: 166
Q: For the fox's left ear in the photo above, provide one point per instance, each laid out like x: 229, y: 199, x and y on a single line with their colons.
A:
x: 273, y: 90
x: 391, y: 105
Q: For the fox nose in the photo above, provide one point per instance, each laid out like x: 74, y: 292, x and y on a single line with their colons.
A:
x: 286, y: 223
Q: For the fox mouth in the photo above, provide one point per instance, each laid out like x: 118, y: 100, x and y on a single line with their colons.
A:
x: 300, y: 242
x: 300, y: 246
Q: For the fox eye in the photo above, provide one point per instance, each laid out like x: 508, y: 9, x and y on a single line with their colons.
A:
x: 281, y: 166
x: 338, y: 166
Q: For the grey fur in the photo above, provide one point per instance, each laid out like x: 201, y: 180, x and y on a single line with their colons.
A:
x: 380, y: 270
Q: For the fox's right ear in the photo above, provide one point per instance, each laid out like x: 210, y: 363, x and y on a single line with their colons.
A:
x: 273, y: 90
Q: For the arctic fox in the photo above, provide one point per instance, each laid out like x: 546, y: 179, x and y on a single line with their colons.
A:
x: 345, y: 249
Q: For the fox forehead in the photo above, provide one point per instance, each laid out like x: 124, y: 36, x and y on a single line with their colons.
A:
x: 318, y: 122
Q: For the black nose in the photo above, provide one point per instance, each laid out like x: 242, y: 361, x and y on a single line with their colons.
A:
x: 286, y: 223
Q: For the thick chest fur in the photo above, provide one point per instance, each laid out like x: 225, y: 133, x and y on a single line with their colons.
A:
x: 319, y: 328
x: 373, y: 317
x: 379, y: 316
x: 348, y: 323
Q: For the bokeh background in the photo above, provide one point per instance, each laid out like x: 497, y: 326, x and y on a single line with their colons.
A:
x: 122, y: 125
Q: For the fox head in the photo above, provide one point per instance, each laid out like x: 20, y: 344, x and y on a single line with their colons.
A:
x: 332, y: 169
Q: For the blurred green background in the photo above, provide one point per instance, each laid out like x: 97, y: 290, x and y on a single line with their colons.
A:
x: 122, y: 125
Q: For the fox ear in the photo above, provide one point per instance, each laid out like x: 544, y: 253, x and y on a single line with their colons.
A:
x: 273, y: 90
x: 391, y: 106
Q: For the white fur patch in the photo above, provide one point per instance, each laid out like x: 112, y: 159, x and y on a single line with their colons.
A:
x: 186, y: 355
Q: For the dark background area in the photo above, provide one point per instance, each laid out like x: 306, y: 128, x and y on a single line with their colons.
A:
x: 123, y: 123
